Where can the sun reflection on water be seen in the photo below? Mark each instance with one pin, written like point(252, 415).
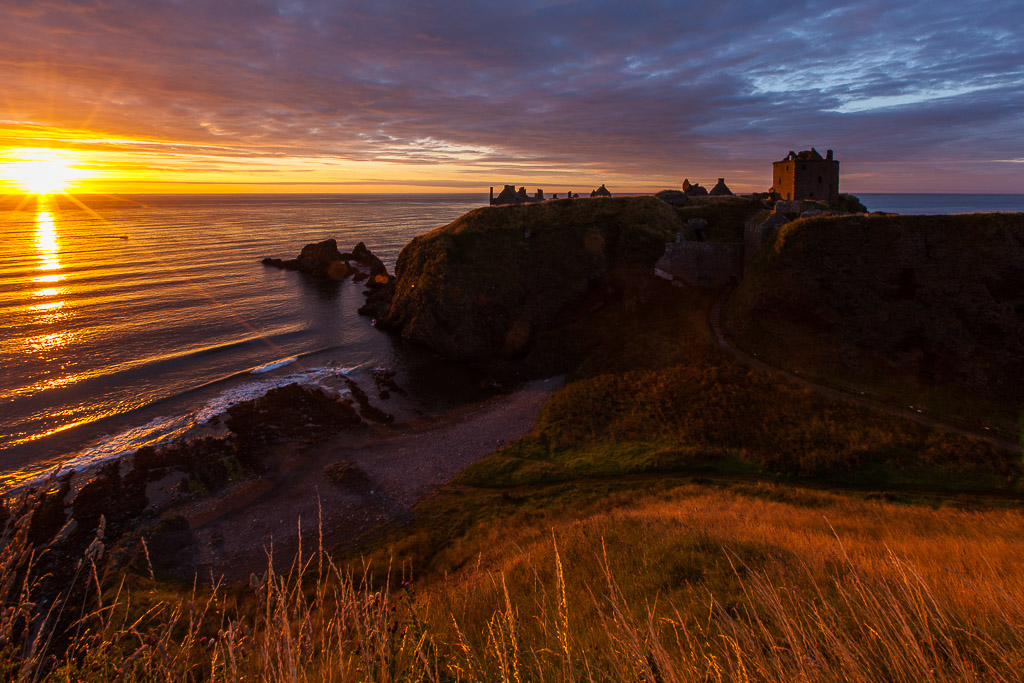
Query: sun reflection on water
point(48, 265)
point(47, 242)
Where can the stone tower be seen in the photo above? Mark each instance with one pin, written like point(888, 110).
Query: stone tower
point(807, 176)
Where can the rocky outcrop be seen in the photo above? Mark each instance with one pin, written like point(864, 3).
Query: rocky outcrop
point(484, 285)
point(323, 261)
point(373, 269)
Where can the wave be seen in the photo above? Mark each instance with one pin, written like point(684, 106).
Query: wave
point(273, 366)
point(164, 429)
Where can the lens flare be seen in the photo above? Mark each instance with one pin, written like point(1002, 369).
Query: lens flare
point(41, 171)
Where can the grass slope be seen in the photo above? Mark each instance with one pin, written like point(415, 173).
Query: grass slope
point(631, 537)
point(929, 309)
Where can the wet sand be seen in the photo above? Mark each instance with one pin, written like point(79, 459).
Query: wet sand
point(233, 532)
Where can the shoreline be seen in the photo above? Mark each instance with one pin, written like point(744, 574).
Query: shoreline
point(229, 533)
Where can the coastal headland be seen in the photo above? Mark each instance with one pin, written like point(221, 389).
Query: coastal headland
point(626, 448)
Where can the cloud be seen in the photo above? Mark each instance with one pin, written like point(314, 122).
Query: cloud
point(645, 91)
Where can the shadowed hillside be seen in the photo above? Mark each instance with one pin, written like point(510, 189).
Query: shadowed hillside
point(915, 306)
point(482, 285)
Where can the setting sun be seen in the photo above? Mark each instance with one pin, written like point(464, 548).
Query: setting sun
point(41, 171)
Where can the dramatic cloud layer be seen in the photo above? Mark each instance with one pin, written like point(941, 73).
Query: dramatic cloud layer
point(321, 93)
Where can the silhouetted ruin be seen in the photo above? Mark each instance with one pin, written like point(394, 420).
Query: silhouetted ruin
point(509, 195)
point(806, 176)
point(720, 189)
point(601, 192)
point(693, 189)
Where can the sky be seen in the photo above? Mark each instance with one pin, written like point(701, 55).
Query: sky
point(396, 96)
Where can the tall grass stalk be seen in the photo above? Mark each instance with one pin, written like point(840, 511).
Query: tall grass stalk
point(858, 618)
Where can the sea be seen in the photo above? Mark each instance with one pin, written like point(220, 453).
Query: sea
point(128, 321)
point(133, 321)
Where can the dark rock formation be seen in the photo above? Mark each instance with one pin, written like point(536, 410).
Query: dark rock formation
point(346, 475)
point(482, 286)
point(323, 261)
point(291, 411)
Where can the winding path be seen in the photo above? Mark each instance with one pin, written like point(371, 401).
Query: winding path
point(715, 321)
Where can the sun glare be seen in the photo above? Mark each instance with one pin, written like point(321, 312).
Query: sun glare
point(41, 171)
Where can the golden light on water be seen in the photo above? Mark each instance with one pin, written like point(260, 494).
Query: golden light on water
point(41, 171)
point(47, 243)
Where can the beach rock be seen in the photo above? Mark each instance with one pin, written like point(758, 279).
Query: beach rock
point(366, 410)
point(291, 411)
point(378, 302)
point(290, 264)
point(49, 514)
point(377, 276)
point(346, 475)
point(323, 261)
point(360, 254)
point(118, 500)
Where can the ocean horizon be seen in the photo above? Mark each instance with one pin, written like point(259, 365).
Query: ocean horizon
point(139, 318)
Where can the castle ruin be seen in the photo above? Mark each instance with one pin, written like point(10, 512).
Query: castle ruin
point(806, 176)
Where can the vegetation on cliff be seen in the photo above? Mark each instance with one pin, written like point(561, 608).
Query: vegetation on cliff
point(665, 521)
point(929, 309)
point(483, 285)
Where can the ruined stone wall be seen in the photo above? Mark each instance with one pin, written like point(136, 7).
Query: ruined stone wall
point(756, 235)
point(807, 179)
point(704, 264)
point(753, 237)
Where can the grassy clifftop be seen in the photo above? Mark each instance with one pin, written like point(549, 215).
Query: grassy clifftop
point(480, 286)
point(907, 305)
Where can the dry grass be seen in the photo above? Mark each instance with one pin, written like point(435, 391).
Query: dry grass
point(689, 584)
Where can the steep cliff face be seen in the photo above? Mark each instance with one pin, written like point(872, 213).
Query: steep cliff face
point(481, 286)
point(927, 300)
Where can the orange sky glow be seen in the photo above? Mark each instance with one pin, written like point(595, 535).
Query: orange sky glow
point(138, 96)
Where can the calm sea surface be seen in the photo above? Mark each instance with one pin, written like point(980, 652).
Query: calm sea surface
point(132, 321)
point(942, 203)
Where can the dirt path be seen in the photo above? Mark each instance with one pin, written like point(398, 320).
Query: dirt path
point(233, 532)
point(715, 320)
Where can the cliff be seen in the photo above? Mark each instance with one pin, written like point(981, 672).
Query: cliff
point(481, 286)
point(892, 301)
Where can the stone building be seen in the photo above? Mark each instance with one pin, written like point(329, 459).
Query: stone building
point(693, 189)
point(807, 176)
point(720, 189)
point(509, 195)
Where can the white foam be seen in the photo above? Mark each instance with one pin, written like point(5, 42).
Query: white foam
point(273, 365)
point(163, 430)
